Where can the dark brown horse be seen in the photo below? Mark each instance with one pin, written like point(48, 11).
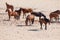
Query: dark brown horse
point(24, 10)
point(38, 14)
point(54, 15)
point(44, 21)
point(30, 19)
point(11, 13)
point(9, 6)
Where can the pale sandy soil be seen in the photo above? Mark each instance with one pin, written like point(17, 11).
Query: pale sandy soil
point(16, 30)
point(10, 30)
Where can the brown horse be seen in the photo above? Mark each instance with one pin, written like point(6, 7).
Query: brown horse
point(30, 19)
point(11, 13)
point(24, 10)
point(9, 6)
point(45, 21)
point(54, 15)
point(57, 11)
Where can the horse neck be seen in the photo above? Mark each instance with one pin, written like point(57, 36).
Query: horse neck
point(9, 11)
point(7, 4)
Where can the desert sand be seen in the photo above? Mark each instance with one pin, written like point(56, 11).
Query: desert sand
point(16, 30)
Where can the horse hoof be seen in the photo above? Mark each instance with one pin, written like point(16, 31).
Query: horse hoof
point(41, 28)
point(45, 29)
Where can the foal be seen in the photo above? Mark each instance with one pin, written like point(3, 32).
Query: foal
point(45, 21)
point(30, 19)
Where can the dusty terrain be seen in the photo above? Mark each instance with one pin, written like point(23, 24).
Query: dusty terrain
point(16, 30)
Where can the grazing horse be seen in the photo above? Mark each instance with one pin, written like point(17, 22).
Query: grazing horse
point(45, 21)
point(38, 14)
point(30, 19)
point(24, 10)
point(11, 13)
point(9, 6)
point(54, 15)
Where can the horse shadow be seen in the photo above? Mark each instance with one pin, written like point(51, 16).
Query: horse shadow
point(6, 20)
point(33, 30)
point(23, 25)
point(55, 21)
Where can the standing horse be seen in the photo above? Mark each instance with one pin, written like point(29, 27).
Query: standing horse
point(24, 10)
point(38, 14)
point(45, 21)
point(30, 19)
point(9, 6)
point(55, 15)
point(11, 13)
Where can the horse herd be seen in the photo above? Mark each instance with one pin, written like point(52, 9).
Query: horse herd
point(30, 18)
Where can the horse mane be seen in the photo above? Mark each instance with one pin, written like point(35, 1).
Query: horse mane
point(42, 14)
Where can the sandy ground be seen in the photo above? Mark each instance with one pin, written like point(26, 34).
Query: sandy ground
point(10, 30)
point(16, 30)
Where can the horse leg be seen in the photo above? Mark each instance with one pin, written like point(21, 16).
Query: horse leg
point(9, 17)
point(19, 15)
point(39, 18)
point(45, 26)
point(50, 19)
point(26, 22)
point(24, 15)
point(41, 25)
point(32, 20)
point(58, 18)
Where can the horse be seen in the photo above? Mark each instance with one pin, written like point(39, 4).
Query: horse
point(11, 13)
point(45, 21)
point(9, 6)
point(25, 10)
point(38, 14)
point(54, 15)
point(30, 19)
point(19, 12)
point(57, 11)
